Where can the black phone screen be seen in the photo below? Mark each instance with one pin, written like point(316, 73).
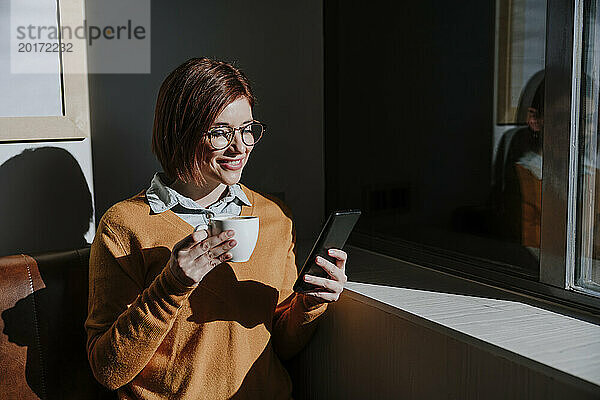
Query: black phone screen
point(334, 234)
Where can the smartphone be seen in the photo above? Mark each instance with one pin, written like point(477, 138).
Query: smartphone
point(334, 234)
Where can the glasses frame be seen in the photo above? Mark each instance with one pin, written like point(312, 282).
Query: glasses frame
point(241, 128)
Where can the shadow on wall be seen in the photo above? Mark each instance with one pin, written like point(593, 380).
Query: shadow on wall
point(46, 203)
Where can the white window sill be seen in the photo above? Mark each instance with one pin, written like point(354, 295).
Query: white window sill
point(496, 320)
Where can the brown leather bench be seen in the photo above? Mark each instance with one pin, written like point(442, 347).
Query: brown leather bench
point(43, 305)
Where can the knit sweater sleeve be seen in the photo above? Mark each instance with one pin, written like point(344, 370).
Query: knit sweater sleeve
point(126, 322)
point(294, 322)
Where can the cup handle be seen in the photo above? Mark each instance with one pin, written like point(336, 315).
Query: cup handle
point(209, 216)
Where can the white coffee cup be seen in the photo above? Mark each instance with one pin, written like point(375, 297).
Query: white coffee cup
point(246, 234)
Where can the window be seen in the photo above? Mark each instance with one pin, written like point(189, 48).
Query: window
point(449, 125)
point(587, 271)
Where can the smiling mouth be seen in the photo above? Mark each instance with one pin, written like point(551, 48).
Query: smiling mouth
point(231, 164)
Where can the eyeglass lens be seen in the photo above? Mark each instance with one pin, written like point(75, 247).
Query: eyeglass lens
point(222, 137)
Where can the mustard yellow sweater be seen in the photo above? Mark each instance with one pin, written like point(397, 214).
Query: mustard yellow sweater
point(151, 337)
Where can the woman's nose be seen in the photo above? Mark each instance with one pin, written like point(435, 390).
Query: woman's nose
point(238, 144)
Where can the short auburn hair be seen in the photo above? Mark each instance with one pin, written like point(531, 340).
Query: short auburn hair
point(189, 101)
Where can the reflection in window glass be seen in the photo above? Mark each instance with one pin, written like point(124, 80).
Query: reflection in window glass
point(588, 271)
point(441, 122)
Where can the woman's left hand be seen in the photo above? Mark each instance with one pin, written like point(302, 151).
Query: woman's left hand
point(328, 289)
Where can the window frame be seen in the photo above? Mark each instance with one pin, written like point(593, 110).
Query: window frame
point(560, 158)
point(580, 203)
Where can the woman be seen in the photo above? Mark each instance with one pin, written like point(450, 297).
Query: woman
point(168, 316)
point(517, 190)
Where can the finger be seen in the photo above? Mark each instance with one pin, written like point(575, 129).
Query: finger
point(220, 250)
point(216, 240)
point(327, 296)
point(341, 257)
point(336, 273)
point(190, 241)
point(339, 254)
point(199, 236)
point(213, 260)
point(324, 283)
point(198, 249)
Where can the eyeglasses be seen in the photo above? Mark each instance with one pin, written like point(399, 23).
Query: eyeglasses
point(221, 137)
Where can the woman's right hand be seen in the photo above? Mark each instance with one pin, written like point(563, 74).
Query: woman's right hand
point(197, 254)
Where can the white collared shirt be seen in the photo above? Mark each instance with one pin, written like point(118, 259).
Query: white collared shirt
point(162, 198)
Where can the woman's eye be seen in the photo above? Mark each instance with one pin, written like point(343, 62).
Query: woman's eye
point(219, 132)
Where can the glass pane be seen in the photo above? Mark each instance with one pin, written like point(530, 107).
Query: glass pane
point(588, 271)
point(441, 126)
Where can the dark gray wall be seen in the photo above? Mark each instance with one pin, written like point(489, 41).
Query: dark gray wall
point(278, 45)
point(415, 103)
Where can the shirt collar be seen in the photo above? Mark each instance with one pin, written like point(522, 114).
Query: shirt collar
point(162, 197)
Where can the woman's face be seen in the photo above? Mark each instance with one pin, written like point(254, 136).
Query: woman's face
point(226, 165)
